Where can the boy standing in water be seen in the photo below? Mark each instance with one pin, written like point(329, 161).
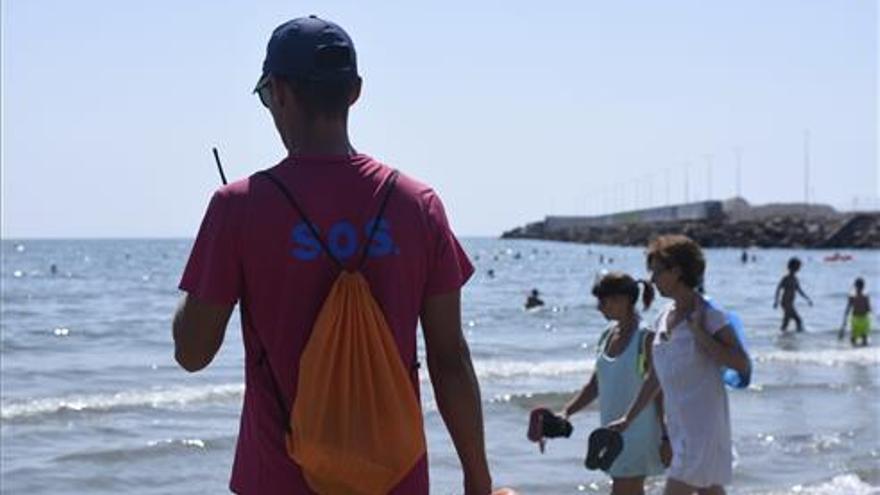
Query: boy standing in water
point(860, 321)
point(789, 286)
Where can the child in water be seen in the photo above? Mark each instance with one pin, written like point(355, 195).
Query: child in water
point(694, 340)
point(790, 287)
point(621, 364)
point(860, 321)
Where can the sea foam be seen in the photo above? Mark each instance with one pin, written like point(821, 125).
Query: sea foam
point(867, 356)
point(154, 398)
point(844, 484)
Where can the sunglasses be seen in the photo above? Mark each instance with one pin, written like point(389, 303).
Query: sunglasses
point(264, 90)
point(658, 269)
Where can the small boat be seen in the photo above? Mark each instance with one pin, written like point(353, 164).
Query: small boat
point(837, 257)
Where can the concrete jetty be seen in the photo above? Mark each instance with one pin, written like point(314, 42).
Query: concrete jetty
point(731, 223)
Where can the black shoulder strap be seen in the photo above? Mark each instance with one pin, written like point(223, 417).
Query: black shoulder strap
point(264, 358)
point(391, 181)
point(286, 192)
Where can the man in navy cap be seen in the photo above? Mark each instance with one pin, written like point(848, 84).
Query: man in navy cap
point(254, 248)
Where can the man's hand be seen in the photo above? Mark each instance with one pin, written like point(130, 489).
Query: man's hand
point(481, 486)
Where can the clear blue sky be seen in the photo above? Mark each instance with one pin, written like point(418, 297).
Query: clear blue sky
point(512, 110)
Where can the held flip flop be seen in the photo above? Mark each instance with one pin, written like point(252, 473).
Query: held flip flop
point(544, 424)
point(604, 447)
point(536, 425)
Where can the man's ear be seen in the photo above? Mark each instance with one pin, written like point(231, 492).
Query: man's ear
point(355, 91)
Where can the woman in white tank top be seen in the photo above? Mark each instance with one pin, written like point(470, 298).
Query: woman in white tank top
point(693, 342)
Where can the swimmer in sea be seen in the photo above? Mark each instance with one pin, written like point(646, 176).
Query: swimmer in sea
point(533, 300)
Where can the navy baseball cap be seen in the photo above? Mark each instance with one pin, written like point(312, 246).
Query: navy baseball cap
point(310, 48)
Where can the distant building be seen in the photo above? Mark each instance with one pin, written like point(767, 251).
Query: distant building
point(704, 210)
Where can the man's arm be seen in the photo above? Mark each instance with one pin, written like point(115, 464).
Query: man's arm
point(198, 330)
point(455, 387)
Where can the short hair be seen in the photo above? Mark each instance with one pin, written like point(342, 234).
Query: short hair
point(618, 283)
point(323, 98)
point(794, 263)
point(860, 283)
point(682, 252)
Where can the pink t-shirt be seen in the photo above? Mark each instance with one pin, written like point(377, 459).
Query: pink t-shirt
point(253, 247)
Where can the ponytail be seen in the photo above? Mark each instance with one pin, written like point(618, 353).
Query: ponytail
point(620, 283)
point(647, 293)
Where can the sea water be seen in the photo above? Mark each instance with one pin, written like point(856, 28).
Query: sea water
point(93, 402)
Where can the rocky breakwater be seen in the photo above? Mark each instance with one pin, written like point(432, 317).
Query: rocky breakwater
point(738, 226)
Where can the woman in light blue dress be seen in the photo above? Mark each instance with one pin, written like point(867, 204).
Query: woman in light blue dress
point(622, 357)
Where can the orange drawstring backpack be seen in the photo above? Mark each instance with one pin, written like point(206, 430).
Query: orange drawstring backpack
point(355, 426)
